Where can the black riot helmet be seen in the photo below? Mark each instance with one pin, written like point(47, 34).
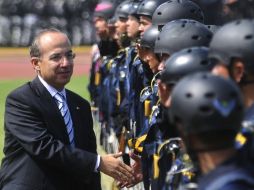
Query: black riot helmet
point(149, 37)
point(213, 28)
point(134, 8)
point(180, 34)
point(177, 9)
point(205, 103)
point(147, 7)
point(184, 62)
point(123, 10)
point(104, 9)
point(234, 40)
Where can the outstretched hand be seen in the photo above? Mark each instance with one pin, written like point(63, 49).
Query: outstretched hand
point(112, 166)
point(137, 169)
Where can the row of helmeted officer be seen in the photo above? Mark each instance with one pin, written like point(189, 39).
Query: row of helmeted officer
point(179, 132)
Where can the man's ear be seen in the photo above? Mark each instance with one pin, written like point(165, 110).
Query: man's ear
point(35, 63)
point(238, 71)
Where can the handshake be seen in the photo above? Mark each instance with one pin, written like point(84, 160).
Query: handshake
point(126, 176)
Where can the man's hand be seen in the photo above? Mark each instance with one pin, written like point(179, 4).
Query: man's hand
point(137, 167)
point(137, 172)
point(115, 168)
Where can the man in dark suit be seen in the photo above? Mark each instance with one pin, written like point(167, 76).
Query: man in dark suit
point(39, 152)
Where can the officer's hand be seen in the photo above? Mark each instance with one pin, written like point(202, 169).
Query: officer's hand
point(115, 168)
point(137, 172)
point(137, 167)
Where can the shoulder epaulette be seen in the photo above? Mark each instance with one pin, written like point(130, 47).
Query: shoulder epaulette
point(121, 51)
point(110, 64)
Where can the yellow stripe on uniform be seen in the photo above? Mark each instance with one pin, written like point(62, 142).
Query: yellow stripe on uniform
point(147, 108)
point(97, 80)
point(138, 143)
point(241, 139)
point(156, 170)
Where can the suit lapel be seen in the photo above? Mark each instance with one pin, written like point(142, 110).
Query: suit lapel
point(53, 117)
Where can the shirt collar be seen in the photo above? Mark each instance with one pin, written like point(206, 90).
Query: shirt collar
point(50, 88)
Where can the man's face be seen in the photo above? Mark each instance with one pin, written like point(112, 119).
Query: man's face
point(132, 26)
point(164, 92)
point(145, 23)
point(163, 59)
point(152, 61)
point(121, 26)
point(236, 70)
point(221, 70)
point(101, 27)
point(55, 65)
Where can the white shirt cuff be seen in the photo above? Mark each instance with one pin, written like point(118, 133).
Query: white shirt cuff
point(96, 169)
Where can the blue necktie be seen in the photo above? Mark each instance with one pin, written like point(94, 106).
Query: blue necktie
point(63, 107)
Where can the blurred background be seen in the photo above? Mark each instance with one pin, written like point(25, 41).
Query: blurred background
point(20, 20)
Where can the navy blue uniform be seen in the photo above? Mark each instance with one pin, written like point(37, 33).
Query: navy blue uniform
point(234, 174)
point(114, 98)
point(140, 77)
point(155, 166)
point(247, 130)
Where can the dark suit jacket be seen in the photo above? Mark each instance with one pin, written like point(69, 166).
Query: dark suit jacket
point(37, 151)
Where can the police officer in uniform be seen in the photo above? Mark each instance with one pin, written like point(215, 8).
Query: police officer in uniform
point(149, 94)
point(208, 128)
point(103, 12)
point(145, 12)
point(234, 57)
point(157, 117)
point(180, 64)
point(106, 49)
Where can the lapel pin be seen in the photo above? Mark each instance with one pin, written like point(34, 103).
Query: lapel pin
point(77, 108)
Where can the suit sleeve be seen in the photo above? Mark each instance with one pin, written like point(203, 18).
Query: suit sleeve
point(27, 127)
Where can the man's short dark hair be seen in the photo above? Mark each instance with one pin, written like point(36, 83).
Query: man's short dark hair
point(35, 46)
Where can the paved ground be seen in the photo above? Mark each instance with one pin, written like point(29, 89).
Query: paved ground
point(14, 63)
